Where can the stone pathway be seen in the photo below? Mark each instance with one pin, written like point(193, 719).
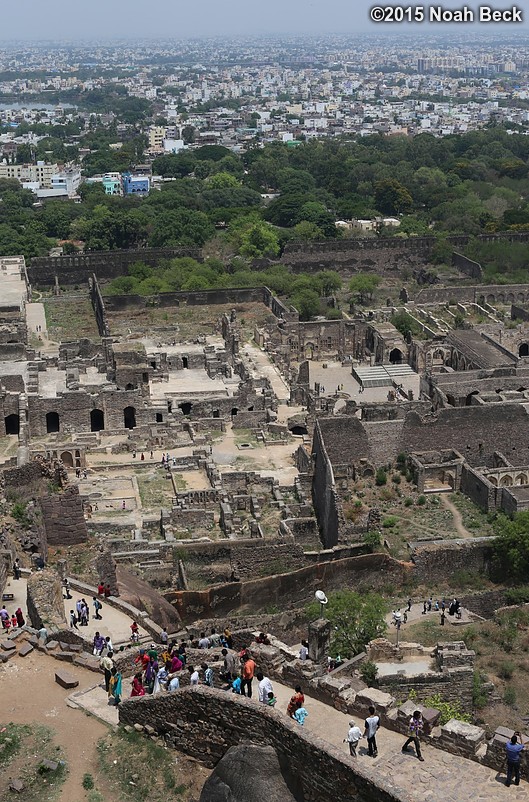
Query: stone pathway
point(458, 519)
point(113, 623)
point(441, 778)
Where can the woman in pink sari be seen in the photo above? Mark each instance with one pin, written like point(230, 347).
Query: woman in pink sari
point(176, 664)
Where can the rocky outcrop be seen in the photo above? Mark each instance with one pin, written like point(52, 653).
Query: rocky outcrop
point(249, 773)
point(45, 600)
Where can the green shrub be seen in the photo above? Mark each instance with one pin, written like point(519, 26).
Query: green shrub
point(88, 782)
point(369, 672)
point(381, 477)
point(396, 478)
point(408, 502)
point(390, 522)
point(509, 697)
point(448, 709)
point(518, 595)
point(372, 539)
point(421, 501)
point(507, 669)
point(479, 697)
point(19, 513)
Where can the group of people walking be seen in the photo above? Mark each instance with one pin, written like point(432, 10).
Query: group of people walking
point(13, 621)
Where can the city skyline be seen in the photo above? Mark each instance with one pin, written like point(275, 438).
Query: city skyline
point(118, 19)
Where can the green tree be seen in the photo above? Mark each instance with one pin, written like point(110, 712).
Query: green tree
point(391, 197)
point(329, 280)
point(511, 545)
point(355, 620)
point(222, 181)
point(258, 239)
point(406, 324)
point(307, 302)
point(363, 286)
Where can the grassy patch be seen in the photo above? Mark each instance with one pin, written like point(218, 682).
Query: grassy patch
point(23, 750)
point(69, 318)
point(123, 759)
point(155, 489)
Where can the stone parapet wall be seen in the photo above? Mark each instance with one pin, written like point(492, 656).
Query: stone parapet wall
point(435, 561)
point(205, 723)
point(452, 686)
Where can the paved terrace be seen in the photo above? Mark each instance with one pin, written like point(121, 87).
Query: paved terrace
point(442, 777)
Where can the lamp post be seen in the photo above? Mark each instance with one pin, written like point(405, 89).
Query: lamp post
point(322, 598)
point(397, 619)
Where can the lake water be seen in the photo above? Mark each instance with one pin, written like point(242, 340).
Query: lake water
point(31, 106)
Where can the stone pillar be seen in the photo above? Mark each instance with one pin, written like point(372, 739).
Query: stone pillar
point(319, 637)
point(106, 569)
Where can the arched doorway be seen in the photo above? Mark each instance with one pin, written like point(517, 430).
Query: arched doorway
point(12, 424)
point(299, 430)
point(129, 417)
point(52, 422)
point(67, 459)
point(185, 362)
point(395, 356)
point(523, 350)
point(186, 407)
point(234, 411)
point(97, 420)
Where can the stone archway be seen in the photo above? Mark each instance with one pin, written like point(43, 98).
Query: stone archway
point(97, 420)
point(523, 350)
point(396, 356)
point(129, 417)
point(67, 459)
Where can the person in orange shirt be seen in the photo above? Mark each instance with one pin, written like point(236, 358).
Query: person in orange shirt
point(248, 670)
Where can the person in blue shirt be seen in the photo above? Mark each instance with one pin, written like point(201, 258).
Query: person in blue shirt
point(514, 749)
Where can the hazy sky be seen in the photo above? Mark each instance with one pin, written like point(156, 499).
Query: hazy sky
point(109, 19)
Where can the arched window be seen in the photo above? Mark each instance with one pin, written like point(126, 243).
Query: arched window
point(129, 417)
point(97, 420)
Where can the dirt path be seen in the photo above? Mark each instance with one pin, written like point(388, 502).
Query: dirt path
point(31, 695)
point(458, 520)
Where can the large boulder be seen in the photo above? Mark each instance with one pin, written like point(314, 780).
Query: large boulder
point(251, 773)
point(45, 600)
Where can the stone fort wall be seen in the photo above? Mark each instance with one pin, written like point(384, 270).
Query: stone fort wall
point(205, 723)
point(286, 591)
point(107, 265)
point(476, 432)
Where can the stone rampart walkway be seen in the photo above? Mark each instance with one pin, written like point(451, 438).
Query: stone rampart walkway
point(441, 778)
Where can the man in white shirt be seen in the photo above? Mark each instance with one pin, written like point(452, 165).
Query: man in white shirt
point(174, 684)
point(264, 688)
point(353, 736)
point(304, 650)
point(193, 679)
point(372, 723)
point(203, 643)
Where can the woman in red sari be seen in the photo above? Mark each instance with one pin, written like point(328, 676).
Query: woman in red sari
point(296, 701)
point(137, 686)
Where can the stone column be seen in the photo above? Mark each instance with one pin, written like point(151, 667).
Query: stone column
point(319, 637)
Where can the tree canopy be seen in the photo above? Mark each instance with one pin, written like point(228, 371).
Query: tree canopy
point(355, 618)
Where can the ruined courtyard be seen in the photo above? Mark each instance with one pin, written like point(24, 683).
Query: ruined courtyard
point(213, 458)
